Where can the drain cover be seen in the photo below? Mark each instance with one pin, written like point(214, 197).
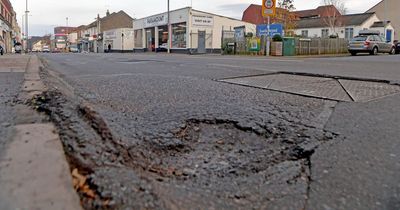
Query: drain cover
point(319, 87)
point(136, 61)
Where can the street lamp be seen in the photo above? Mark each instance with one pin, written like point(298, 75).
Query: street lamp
point(26, 27)
point(169, 30)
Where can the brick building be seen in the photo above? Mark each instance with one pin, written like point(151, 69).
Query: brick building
point(9, 30)
point(253, 14)
point(90, 37)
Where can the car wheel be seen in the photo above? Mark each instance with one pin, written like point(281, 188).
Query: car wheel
point(353, 53)
point(374, 51)
point(392, 51)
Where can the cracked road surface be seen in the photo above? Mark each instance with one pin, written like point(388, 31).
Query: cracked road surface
point(160, 132)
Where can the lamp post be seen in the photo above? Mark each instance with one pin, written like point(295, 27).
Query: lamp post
point(26, 27)
point(169, 30)
point(22, 33)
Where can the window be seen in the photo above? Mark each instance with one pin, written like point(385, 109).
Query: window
point(379, 38)
point(349, 33)
point(163, 35)
point(179, 35)
point(304, 33)
point(324, 33)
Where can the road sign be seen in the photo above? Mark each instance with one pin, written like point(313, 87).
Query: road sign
point(268, 8)
point(262, 30)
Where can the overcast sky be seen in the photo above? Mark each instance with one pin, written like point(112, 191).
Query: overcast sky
point(46, 14)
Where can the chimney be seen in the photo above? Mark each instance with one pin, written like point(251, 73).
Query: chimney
point(107, 13)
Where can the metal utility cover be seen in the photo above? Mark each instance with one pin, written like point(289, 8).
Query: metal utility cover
point(364, 91)
point(319, 87)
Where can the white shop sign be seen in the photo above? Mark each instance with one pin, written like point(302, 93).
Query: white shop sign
point(202, 20)
point(156, 21)
point(110, 35)
point(4, 26)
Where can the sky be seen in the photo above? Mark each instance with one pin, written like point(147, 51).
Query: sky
point(46, 14)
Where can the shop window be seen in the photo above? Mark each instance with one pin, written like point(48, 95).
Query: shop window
point(138, 38)
point(163, 36)
point(179, 35)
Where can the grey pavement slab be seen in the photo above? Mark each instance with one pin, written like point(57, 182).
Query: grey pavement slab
point(34, 171)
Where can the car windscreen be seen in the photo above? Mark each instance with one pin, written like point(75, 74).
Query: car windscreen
point(359, 38)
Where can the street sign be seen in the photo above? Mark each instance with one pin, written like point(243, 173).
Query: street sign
point(268, 8)
point(262, 30)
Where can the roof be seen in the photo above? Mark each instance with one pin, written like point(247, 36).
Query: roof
point(321, 11)
point(380, 24)
point(253, 14)
point(94, 23)
point(370, 9)
point(344, 20)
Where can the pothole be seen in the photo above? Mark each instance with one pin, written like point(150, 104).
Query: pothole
point(324, 87)
point(203, 162)
point(214, 149)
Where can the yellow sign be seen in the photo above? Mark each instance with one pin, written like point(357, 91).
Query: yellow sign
point(268, 8)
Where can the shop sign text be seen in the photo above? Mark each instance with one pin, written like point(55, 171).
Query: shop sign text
point(156, 21)
point(202, 20)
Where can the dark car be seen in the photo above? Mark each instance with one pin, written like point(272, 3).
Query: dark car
point(370, 42)
point(18, 48)
point(397, 46)
point(1, 50)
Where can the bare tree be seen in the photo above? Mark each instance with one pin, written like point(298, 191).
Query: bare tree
point(333, 15)
point(287, 17)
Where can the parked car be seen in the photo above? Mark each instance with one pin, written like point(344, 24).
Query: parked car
point(397, 46)
point(163, 47)
point(46, 49)
point(370, 42)
point(73, 49)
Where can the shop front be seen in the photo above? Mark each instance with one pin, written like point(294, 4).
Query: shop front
point(118, 40)
point(191, 31)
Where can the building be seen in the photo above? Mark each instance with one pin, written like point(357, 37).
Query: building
point(119, 40)
point(192, 31)
point(253, 14)
point(90, 37)
point(347, 26)
point(9, 30)
point(388, 10)
point(60, 38)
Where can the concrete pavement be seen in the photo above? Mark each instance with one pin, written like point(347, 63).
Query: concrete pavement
point(34, 173)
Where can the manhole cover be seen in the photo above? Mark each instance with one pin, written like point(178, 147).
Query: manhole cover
point(136, 61)
point(319, 87)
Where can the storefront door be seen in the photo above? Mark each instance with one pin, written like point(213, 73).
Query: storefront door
point(202, 42)
point(150, 39)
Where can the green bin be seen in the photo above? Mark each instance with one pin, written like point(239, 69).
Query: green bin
point(289, 48)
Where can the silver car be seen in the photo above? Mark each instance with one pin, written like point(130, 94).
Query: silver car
point(370, 42)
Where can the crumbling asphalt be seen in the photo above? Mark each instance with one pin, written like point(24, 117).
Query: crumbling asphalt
point(10, 84)
point(163, 134)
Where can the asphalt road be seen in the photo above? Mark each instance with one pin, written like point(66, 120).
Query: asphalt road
point(159, 132)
